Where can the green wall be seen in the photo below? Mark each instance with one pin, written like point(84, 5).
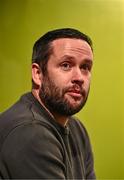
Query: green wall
point(23, 21)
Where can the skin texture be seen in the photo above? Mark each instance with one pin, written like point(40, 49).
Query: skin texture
point(64, 89)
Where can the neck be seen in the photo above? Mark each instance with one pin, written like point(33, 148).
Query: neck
point(62, 120)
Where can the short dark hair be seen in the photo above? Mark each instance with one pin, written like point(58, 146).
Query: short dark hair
point(42, 48)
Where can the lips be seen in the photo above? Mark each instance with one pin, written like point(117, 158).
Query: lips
point(76, 93)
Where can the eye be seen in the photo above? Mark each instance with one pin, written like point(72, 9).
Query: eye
point(66, 66)
point(86, 67)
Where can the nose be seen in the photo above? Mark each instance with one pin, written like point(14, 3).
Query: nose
point(77, 77)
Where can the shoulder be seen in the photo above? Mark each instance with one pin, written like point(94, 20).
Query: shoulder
point(29, 138)
point(16, 111)
point(32, 146)
point(20, 119)
point(18, 114)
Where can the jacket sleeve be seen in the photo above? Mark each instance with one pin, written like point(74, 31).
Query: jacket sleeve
point(32, 152)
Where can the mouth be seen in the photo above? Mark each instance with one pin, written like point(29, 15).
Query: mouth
point(76, 94)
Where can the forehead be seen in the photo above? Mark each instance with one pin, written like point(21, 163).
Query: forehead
point(69, 45)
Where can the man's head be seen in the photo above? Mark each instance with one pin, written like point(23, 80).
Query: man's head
point(61, 70)
point(43, 47)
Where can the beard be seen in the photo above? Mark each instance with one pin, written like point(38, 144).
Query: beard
point(55, 101)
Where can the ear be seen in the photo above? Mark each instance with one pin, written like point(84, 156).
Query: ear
point(36, 74)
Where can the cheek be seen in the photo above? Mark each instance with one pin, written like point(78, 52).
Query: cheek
point(60, 84)
point(87, 82)
point(60, 80)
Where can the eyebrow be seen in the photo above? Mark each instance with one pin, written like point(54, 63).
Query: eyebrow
point(67, 56)
point(87, 60)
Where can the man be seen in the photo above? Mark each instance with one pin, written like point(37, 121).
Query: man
point(39, 138)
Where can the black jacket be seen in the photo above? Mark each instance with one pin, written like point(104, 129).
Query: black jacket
point(34, 146)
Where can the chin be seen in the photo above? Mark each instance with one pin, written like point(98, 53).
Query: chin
point(75, 102)
point(76, 105)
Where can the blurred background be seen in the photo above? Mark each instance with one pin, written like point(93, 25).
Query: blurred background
point(22, 22)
